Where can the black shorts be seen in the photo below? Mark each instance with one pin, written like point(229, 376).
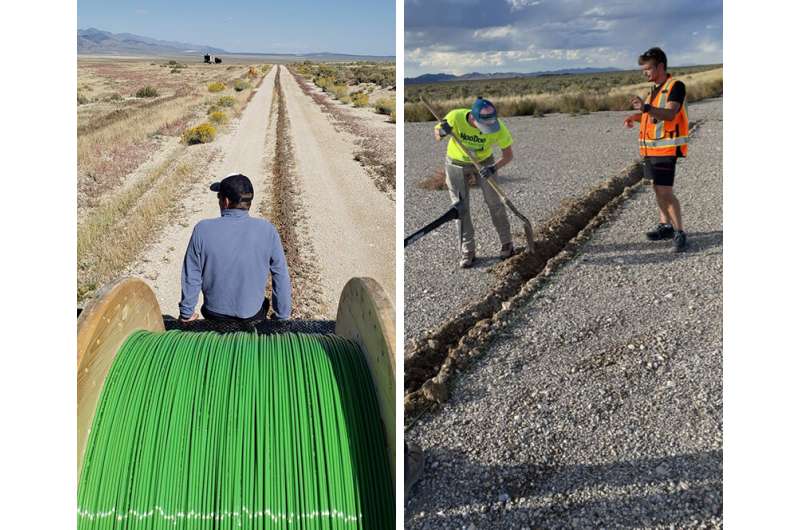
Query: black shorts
point(660, 169)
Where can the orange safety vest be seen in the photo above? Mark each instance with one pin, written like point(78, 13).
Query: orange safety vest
point(664, 138)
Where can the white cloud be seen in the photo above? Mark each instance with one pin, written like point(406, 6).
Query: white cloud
point(595, 12)
point(708, 46)
point(142, 12)
point(461, 62)
point(516, 5)
point(604, 25)
point(497, 32)
point(705, 51)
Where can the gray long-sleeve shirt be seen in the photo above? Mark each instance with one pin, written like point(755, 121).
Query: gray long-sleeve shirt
point(229, 258)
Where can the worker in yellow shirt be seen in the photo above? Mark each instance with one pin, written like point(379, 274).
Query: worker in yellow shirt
point(479, 130)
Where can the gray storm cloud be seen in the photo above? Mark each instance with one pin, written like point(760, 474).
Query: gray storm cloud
point(527, 35)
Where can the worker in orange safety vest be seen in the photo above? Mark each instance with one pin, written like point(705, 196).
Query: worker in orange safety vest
point(663, 138)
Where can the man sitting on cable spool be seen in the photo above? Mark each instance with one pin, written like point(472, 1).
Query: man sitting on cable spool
point(229, 259)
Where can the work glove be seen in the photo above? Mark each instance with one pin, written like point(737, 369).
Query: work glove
point(444, 128)
point(488, 171)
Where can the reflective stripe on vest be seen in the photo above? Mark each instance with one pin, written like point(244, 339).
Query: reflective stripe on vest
point(680, 140)
point(662, 104)
point(664, 138)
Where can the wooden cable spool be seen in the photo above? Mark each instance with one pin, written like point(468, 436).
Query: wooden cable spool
point(365, 315)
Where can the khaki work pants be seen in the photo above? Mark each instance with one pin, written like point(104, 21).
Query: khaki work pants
point(457, 174)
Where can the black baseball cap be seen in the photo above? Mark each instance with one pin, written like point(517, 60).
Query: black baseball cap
point(236, 187)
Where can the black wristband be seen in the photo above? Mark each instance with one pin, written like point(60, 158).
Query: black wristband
point(646, 107)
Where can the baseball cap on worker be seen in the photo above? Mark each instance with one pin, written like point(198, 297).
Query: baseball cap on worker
point(485, 115)
point(236, 187)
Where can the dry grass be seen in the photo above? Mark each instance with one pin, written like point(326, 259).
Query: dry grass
point(352, 82)
point(438, 181)
point(116, 135)
point(385, 106)
point(135, 212)
point(699, 85)
point(111, 151)
point(353, 73)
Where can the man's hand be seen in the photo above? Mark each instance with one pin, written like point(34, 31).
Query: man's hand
point(637, 103)
point(629, 121)
point(444, 128)
point(194, 316)
point(488, 171)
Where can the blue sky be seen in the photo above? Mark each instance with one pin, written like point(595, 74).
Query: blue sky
point(294, 26)
point(461, 36)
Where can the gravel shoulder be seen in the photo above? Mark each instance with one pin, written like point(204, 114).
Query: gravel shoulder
point(555, 157)
point(601, 404)
point(242, 149)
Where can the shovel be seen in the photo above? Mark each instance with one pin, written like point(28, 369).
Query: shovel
point(503, 197)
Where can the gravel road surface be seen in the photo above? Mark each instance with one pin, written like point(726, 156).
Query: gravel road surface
point(555, 157)
point(601, 405)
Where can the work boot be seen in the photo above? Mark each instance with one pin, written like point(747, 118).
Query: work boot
point(679, 241)
point(414, 464)
point(507, 250)
point(466, 260)
point(661, 231)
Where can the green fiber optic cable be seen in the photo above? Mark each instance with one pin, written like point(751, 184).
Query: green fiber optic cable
point(236, 431)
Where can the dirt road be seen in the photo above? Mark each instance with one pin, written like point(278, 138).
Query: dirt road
point(241, 150)
point(347, 224)
point(350, 222)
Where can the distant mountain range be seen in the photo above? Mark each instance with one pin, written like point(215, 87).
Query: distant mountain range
point(98, 42)
point(94, 41)
point(440, 78)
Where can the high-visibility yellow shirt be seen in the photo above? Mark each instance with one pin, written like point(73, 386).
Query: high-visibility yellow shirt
point(472, 138)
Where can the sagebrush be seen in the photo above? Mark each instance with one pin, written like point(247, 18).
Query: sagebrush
point(360, 99)
point(384, 106)
point(218, 117)
point(147, 92)
point(202, 134)
point(216, 86)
